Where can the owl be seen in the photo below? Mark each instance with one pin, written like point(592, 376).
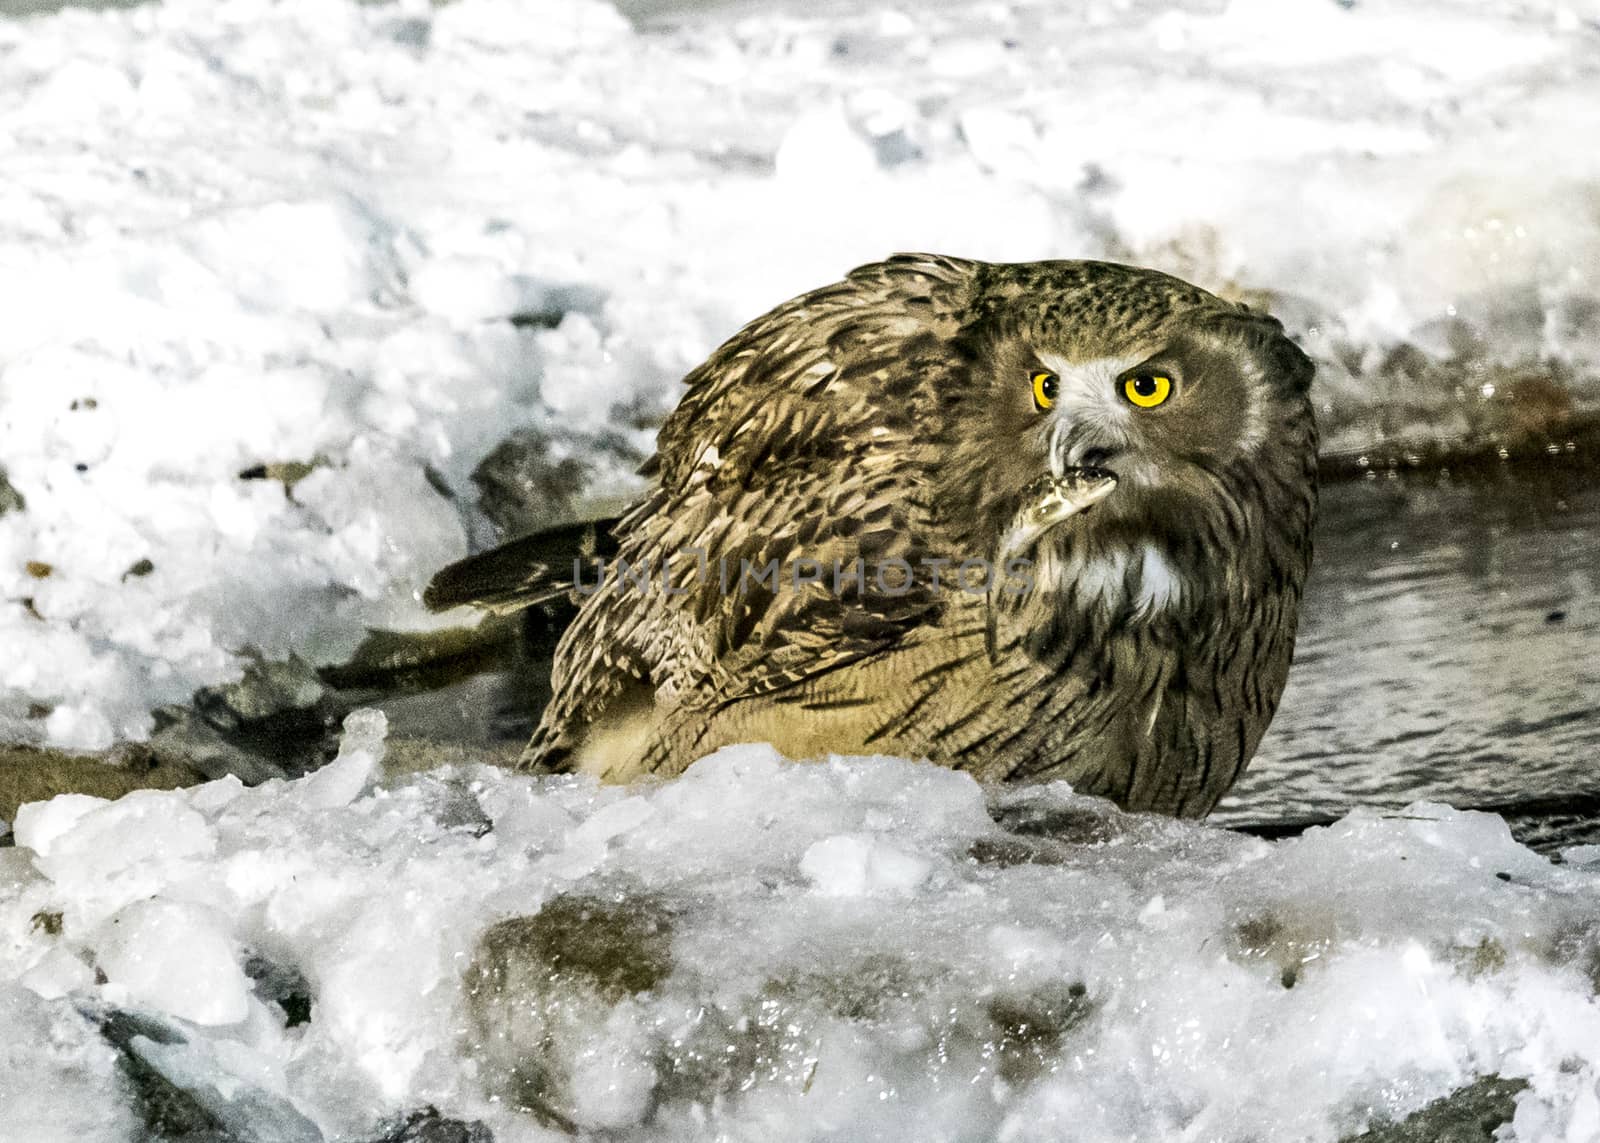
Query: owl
point(1046, 520)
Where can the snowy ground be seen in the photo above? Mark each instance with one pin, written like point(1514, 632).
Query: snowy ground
point(842, 951)
point(376, 239)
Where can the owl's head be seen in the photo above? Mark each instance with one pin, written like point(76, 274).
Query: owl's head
point(1198, 406)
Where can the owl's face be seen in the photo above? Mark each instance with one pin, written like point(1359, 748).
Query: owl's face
point(1203, 417)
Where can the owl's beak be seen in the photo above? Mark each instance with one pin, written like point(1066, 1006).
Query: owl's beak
point(1079, 444)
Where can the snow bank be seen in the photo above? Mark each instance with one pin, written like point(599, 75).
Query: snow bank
point(865, 948)
point(348, 248)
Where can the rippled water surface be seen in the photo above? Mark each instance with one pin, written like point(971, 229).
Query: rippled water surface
point(1449, 650)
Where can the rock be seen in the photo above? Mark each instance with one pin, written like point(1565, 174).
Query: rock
point(10, 499)
point(282, 986)
point(184, 1090)
point(33, 775)
point(521, 489)
point(428, 1126)
point(541, 994)
point(266, 690)
point(188, 740)
point(1471, 1114)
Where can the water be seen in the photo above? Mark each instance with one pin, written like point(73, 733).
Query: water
point(1449, 650)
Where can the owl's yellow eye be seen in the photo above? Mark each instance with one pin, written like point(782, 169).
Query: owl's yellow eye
point(1147, 390)
point(1045, 385)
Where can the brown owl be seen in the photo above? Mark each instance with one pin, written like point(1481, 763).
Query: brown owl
point(1043, 520)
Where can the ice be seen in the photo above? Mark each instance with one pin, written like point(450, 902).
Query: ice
point(856, 948)
point(848, 866)
point(173, 957)
point(465, 290)
point(821, 148)
point(111, 853)
point(219, 1083)
point(374, 240)
point(359, 761)
point(57, 1077)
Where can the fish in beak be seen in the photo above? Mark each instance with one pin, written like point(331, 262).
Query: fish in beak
point(1051, 500)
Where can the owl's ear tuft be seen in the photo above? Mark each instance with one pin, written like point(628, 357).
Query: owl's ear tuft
point(1290, 367)
point(1284, 365)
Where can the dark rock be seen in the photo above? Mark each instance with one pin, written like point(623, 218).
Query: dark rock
point(1471, 1114)
point(769, 1039)
point(1009, 850)
point(428, 1126)
point(183, 737)
point(279, 712)
point(1283, 946)
point(284, 986)
point(461, 810)
point(521, 489)
point(1039, 812)
point(411, 33)
point(1031, 1027)
point(541, 988)
point(542, 305)
point(185, 1093)
point(267, 689)
point(10, 499)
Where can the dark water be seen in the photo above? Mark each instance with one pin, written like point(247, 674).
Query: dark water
point(1449, 650)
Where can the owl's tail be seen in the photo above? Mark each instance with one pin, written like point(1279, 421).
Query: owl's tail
point(525, 571)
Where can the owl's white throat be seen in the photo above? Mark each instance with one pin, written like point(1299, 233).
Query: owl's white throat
point(1115, 578)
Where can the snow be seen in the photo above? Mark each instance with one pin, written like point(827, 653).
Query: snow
point(239, 234)
point(858, 948)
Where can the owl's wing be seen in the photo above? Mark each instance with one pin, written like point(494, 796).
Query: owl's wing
point(796, 452)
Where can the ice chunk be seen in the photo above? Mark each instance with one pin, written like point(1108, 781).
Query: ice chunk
point(464, 290)
point(56, 974)
point(1581, 855)
point(40, 824)
point(105, 854)
point(1000, 140)
point(183, 1077)
point(861, 866)
point(58, 1078)
point(316, 255)
point(821, 147)
point(80, 726)
point(175, 957)
point(359, 763)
